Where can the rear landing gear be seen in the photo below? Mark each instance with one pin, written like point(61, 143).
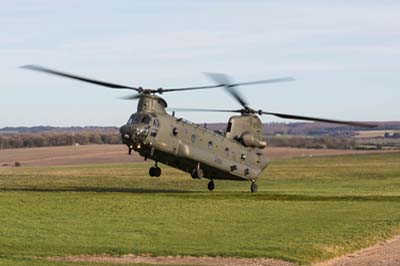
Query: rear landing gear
point(155, 171)
point(197, 173)
point(253, 187)
point(211, 185)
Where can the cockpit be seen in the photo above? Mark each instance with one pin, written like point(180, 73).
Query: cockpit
point(139, 128)
point(143, 124)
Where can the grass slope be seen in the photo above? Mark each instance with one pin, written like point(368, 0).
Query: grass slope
point(306, 210)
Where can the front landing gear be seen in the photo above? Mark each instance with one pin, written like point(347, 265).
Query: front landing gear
point(253, 187)
point(155, 171)
point(211, 185)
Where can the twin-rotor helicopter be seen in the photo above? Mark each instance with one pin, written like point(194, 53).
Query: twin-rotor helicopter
point(236, 154)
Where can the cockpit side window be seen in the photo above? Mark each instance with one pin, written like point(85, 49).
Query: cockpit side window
point(131, 119)
point(155, 126)
point(156, 123)
point(138, 118)
point(146, 120)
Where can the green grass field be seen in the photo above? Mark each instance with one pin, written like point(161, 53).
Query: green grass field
point(306, 210)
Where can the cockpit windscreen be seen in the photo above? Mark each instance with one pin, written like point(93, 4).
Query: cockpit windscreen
point(139, 119)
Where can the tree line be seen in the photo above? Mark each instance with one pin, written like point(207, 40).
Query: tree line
point(9, 141)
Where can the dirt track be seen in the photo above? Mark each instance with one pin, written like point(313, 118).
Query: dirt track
point(89, 154)
point(186, 260)
point(386, 253)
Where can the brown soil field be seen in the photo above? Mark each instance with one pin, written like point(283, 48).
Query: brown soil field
point(282, 153)
point(96, 154)
point(68, 155)
point(374, 133)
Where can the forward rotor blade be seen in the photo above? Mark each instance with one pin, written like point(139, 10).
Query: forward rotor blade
point(224, 81)
point(315, 119)
point(204, 110)
point(219, 78)
point(131, 97)
point(192, 88)
point(76, 77)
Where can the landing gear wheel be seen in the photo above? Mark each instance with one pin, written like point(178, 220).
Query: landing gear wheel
point(253, 187)
point(211, 185)
point(197, 173)
point(157, 171)
point(152, 171)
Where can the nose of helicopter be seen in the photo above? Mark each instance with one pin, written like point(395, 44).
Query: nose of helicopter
point(125, 131)
point(133, 134)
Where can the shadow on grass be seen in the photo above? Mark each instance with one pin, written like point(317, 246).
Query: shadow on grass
point(266, 196)
point(217, 195)
point(94, 189)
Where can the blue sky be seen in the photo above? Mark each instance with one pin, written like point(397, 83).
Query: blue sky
point(345, 56)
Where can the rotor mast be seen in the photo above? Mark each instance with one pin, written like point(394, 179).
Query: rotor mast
point(152, 104)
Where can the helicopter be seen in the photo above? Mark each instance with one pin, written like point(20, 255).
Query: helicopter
point(236, 154)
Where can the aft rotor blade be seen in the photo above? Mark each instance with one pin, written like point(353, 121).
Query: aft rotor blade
point(204, 110)
point(265, 81)
point(235, 93)
point(315, 119)
point(223, 80)
point(76, 77)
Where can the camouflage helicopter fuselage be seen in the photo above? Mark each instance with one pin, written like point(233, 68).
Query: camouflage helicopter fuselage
point(235, 155)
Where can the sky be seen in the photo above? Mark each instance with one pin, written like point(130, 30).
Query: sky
point(344, 55)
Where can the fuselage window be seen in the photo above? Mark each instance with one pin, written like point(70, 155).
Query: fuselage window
point(193, 138)
point(210, 145)
point(227, 152)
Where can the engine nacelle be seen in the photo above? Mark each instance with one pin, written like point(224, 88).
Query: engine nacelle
point(250, 140)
